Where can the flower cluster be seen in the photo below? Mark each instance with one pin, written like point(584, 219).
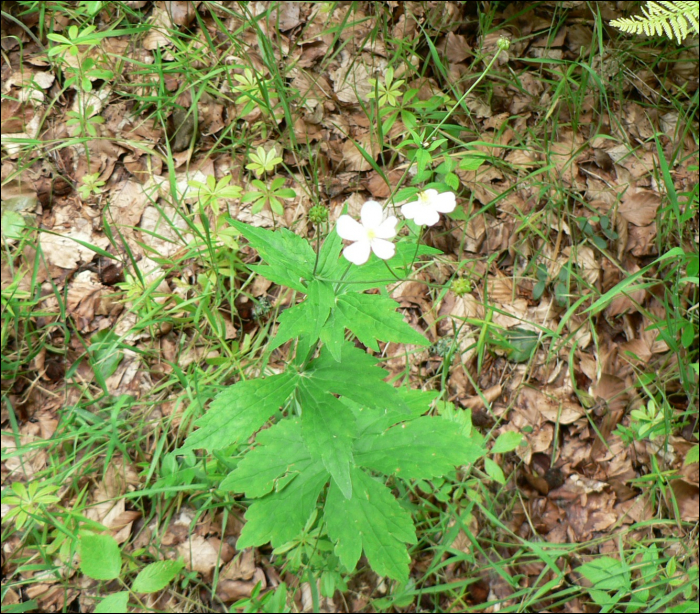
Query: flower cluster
point(373, 232)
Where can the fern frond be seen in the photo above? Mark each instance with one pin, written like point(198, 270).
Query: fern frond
point(674, 19)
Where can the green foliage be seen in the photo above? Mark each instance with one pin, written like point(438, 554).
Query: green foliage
point(90, 185)
point(343, 425)
point(156, 576)
point(673, 19)
point(28, 501)
point(116, 603)
point(386, 92)
point(263, 161)
point(100, 557)
point(271, 195)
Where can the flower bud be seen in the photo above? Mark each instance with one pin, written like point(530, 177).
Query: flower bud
point(461, 286)
point(318, 214)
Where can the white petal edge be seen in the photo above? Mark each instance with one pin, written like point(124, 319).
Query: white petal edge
point(350, 229)
point(410, 210)
point(371, 214)
point(387, 229)
point(383, 249)
point(358, 252)
point(445, 202)
point(427, 217)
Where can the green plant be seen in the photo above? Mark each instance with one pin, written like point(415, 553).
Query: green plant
point(263, 161)
point(29, 501)
point(271, 195)
point(321, 456)
point(101, 559)
point(386, 92)
point(90, 185)
point(673, 19)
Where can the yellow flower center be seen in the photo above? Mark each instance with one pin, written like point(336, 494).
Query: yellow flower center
point(423, 196)
point(371, 234)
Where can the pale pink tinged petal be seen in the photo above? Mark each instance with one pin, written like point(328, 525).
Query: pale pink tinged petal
point(357, 253)
point(427, 217)
point(383, 249)
point(387, 229)
point(410, 210)
point(445, 203)
point(350, 229)
point(372, 214)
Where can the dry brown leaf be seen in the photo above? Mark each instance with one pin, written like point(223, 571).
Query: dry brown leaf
point(639, 207)
point(200, 554)
point(456, 48)
point(553, 405)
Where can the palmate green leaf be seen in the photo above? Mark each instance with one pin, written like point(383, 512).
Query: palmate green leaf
point(373, 317)
point(240, 410)
point(328, 428)
point(280, 516)
point(421, 449)
point(371, 520)
point(290, 256)
point(344, 377)
point(307, 318)
point(281, 452)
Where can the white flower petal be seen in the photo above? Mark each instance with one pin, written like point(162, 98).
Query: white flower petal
point(383, 249)
point(350, 229)
point(444, 203)
point(427, 217)
point(387, 229)
point(431, 194)
point(410, 210)
point(372, 214)
point(358, 252)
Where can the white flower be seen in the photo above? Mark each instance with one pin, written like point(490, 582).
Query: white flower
point(371, 234)
point(425, 211)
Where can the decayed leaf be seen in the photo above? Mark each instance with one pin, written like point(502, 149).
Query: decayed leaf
point(553, 405)
point(640, 207)
point(200, 554)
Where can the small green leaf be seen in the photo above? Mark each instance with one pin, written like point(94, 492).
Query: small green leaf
point(471, 163)
point(100, 557)
point(13, 224)
point(692, 455)
point(494, 471)
point(506, 442)
point(115, 603)
point(156, 576)
point(606, 574)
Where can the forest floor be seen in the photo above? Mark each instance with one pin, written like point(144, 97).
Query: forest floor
point(564, 305)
